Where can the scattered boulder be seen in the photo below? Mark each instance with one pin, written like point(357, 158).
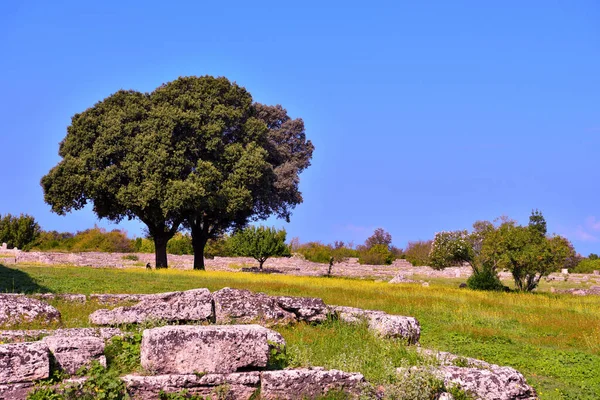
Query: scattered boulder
point(16, 308)
point(211, 349)
point(500, 383)
point(32, 335)
point(24, 362)
point(297, 384)
point(72, 353)
point(245, 307)
point(238, 385)
point(191, 305)
point(307, 309)
point(391, 326)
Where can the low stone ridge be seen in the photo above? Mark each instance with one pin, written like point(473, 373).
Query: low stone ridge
point(307, 309)
point(76, 298)
point(32, 335)
point(297, 384)
point(593, 290)
point(391, 326)
point(212, 349)
point(191, 305)
point(24, 362)
point(15, 308)
point(237, 385)
point(72, 353)
point(243, 307)
point(110, 299)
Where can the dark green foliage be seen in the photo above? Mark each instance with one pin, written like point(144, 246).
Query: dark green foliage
point(587, 266)
point(95, 239)
point(537, 223)
point(322, 253)
point(195, 150)
point(181, 395)
point(418, 252)
point(180, 244)
point(20, 232)
point(485, 279)
point(259, 243)
point(593, 256)
point(218, 247)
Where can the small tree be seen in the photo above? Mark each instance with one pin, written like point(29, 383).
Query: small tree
point(379, 237)
point(259, 243)
point(20, 232)
point(418, 252)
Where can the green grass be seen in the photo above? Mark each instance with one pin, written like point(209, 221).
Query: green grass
point(553, 339)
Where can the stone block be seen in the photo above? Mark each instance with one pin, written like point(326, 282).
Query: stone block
point(300, 384)
point(24, 362)
point(210, 349)
point(16, 308)
point(245, 307)
point(72, 353)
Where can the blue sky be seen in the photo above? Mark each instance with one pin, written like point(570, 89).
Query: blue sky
point(426, 116)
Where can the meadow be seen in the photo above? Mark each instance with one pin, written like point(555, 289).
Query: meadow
point(553, 339)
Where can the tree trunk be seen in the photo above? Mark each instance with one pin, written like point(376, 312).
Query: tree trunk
point(160, 247)
point(260, 263)
point(199, 239)
point(199, 243)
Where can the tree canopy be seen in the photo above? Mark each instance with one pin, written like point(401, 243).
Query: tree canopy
point(260, 243)
point(196, 151)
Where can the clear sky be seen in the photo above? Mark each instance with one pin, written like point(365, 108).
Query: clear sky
point(426, 115)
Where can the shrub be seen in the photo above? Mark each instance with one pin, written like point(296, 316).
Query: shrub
point(218, 247)
point(316, 252)
point(379, 254)
point(485, 279)
point(418, 252)
point(180, 244)
point(95, 239)
point(587, 266)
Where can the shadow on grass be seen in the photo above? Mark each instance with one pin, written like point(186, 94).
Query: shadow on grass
point(16, 281)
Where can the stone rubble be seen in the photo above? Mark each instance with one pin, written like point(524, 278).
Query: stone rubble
point(245, 307)
point(16, 308)
point(32, 335)
point(24, 362)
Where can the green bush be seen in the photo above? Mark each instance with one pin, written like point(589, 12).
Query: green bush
point(95, 239)
point(587, 266)
point(260, 243)
point(418, 252)
point(316, 252)
point(485, 279)
point(219, 247)
point(180, 244)
point(379, 254)
point(20, 232)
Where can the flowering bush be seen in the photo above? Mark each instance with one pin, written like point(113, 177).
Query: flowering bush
point(450, 249)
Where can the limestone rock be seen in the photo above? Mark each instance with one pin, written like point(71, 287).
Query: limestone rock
point(307, 309)
point(296, 384)
point(23, 362)
point(15, 391)
point(237, 385)
point(500, 383)
point(394, 326)
point(36, 334)
point(191, 305)
point(15, 308)
point(72, 353)
point(211, 349)
point(246, 307)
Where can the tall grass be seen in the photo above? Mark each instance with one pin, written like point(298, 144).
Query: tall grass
point(553, 339)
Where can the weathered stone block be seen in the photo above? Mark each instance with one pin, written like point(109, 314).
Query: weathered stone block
point(296, 384)
point(191, 305)
point(246, 307)
point(308, 309)
point(72, 353)
point(23, 362)
point(15, 391)
point(36, 334)
point(15, 308)
point(394, 326)
point(217, 348)
point(230, 386)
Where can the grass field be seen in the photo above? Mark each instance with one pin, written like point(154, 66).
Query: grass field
point(554, 340)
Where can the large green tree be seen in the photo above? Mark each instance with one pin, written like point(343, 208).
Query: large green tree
point(196, 151)
point(20, 232)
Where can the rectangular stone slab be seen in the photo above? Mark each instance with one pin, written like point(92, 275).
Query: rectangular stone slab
point(24, 362)
point(210, 349)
